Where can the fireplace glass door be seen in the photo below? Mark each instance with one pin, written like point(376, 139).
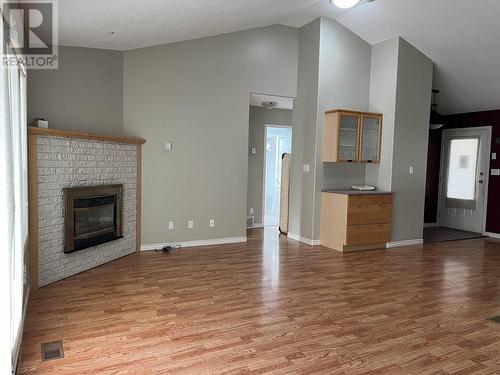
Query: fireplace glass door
point(93, 215)
point(94, 220)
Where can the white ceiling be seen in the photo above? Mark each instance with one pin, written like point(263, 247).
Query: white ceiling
point(86, 23)
point(459, 37)
point(283, 103)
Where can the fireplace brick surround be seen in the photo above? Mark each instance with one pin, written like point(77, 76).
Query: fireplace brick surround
point(67, 159)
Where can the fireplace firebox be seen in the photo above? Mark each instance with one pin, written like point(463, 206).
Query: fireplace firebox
point(93, 215)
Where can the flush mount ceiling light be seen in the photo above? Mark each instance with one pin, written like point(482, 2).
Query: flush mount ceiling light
point(345, 4)
point(269, 105)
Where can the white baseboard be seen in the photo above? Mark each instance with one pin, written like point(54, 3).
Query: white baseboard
point(431, 225)
point(17, 349)
point(393, 244)
point(492, 235)
point(305, 240)
point(215, 241)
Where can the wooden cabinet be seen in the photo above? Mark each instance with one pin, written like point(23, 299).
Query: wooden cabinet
point(352, 222)
point(352, 137)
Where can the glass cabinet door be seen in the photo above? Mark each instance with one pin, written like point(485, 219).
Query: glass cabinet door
point(370, 139)
point(348, 138)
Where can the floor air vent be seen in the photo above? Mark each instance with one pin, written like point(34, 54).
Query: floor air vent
point(250, 221)
point(52, 350)
point(495, 319)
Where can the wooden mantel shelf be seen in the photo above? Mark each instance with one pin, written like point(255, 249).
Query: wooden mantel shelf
point(83, 135)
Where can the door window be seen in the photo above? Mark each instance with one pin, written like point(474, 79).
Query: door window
point(462, 168)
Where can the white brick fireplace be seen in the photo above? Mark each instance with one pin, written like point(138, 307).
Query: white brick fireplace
point(69, 159)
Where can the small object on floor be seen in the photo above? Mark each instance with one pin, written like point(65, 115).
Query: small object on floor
point(167, 249)
point(495, 319)
point(52, 350)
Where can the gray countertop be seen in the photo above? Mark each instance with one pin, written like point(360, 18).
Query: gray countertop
point(356, 192)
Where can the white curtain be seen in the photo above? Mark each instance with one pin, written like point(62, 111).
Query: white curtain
point(13, 207)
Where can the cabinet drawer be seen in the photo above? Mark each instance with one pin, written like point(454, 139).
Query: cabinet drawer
point(369, 214)
point(368, 234)
point(369, 199)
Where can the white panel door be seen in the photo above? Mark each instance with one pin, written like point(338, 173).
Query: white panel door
point(463, 178)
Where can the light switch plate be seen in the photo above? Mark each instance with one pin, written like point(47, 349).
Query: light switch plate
point(212, 223)
point(495, 172)
point(305, 168)
point(251, 210)
point(253, 150)
point(494, 156)
point(411, 170)
point(168, 146)
point(190, 224)
point(170, 225)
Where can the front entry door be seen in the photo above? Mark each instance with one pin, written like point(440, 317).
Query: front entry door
point(464, 177)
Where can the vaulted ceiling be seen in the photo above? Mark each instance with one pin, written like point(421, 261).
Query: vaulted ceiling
point(460, 36)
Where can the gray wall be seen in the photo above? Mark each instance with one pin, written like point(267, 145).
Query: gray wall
point(413, 100)
point(344, 82)
point(259, 118)
point(383, 78)
point(195, 94)
point(84, 94)
point(334, 72)
point(401, 84)
point(305, 112)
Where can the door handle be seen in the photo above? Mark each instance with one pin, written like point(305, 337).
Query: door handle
point(481, 181)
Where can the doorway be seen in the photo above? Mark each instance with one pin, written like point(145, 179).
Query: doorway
point(269, 135)
point(463, 181)
point(278, 141)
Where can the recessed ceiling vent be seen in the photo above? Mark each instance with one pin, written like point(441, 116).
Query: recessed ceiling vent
point(269, 105)
point(436, 118)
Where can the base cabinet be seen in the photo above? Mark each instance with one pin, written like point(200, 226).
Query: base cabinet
point(356, 222)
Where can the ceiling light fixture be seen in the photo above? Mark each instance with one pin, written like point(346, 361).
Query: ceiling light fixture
point(269, 105)
point(345, 4)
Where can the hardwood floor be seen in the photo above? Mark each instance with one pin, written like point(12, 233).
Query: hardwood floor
point(275, 306)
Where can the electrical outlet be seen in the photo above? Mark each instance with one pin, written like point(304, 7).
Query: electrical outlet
point(190, 224)
point(170, 225)
point(251, 210)
point(306, 168)
point(212, 223)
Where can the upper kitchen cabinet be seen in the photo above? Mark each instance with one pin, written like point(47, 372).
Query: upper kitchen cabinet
point(371, 136)
point(352, 137)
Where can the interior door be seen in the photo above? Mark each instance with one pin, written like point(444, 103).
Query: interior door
point(278, 141)
point(463, 178)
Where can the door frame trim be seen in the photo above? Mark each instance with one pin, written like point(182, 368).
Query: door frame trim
point(264, 159)
point(488, 130)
